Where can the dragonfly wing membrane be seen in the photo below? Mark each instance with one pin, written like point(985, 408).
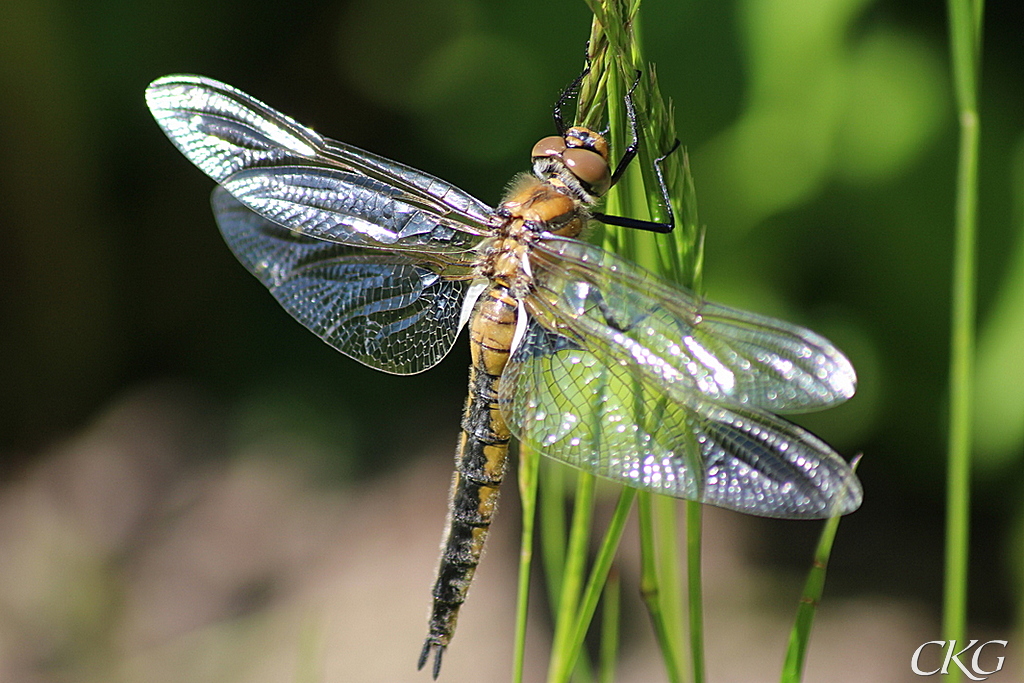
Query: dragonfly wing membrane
point(387, 310)
point(562, 400)
point(571, 403)
point(222, 130)
point(282, 169)
point(784, 367)
point(345, 207)
point(680, 340)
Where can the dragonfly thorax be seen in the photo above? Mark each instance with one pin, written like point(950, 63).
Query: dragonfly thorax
point(533, 206)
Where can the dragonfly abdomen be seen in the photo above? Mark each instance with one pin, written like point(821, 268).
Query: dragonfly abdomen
point(480, 464)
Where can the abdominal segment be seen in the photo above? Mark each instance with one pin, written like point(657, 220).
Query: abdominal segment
point(480, 464)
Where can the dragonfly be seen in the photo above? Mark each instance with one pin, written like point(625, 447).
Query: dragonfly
point(578, 353)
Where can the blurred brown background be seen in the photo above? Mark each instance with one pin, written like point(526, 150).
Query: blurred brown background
point(194, 488)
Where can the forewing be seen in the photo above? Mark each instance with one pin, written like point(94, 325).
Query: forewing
point(386, 310)
point(289, 174)
point(679, 341)
point(577, 406)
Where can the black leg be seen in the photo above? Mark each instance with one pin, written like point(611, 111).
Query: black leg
point(630, 152)
point(569, 93)
point(627, 156)
point(650, 226)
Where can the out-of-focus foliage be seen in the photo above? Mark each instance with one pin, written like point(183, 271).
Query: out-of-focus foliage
point(822, 105)
point(822, 147)
point(999, 401)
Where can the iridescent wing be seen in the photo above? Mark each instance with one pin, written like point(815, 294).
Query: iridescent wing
point(692, 346)
point(388, 310)
point(319, 187)
point(591, 412)
point(623, 375)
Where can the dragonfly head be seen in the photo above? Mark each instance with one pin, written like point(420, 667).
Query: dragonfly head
point(579, 159)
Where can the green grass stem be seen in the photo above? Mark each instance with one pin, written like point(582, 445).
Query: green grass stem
point(615, 58)
point(562, 656)
point(610, 613)
point(666, 516)
point(553, 532)
point(965, 21)
point(528, 470)
point(695, 588)
point(617, 48)
point(655, 587)
point(814, 587)
point(591, 594)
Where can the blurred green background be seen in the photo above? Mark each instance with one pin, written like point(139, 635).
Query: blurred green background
point(822, 140)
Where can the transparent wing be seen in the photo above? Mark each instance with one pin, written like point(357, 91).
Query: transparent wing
point(386, 310)
point(584, 409)
point(289, 174)
point(622, 313)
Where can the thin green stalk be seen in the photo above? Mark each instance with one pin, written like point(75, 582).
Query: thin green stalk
point(654, 586)
point(615, 58)
point(577, 631)
point(961, 374)
point(814, 586)
point(799, 636)
point(554, 542)
point(552, 532)
point(528, 466)
point(695, 588)
point(617, 48)
point(610, 601)
point(965, 18)
point(670, 571)
point(572, 579)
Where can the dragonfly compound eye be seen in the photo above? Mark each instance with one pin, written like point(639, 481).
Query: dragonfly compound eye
point(551, 146)
point(590, 167)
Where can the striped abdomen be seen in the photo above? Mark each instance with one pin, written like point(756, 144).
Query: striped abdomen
point(479, 467)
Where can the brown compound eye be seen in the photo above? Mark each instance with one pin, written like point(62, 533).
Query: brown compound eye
point(590, 167)
point(551, 146)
